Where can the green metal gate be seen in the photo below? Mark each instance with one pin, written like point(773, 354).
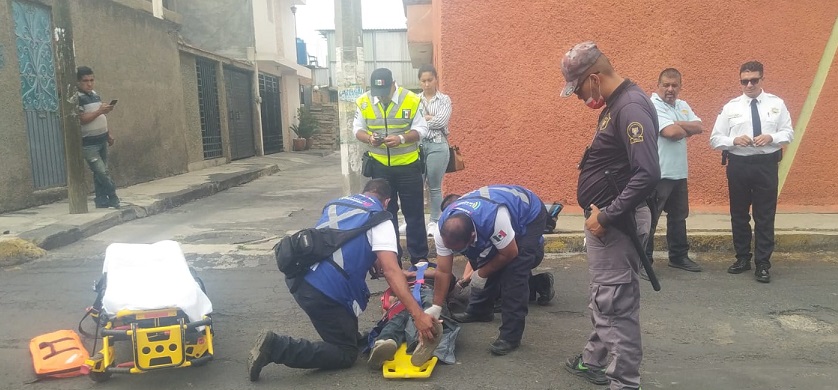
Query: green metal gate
point(39, 92)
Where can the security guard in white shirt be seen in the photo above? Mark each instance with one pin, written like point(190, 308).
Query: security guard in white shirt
point(751, 130)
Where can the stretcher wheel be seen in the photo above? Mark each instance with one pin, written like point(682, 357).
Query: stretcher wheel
point(197, 279)
point(100, 376)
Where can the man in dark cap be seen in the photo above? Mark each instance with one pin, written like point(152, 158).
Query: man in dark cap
point(625, 143)
point(389, 121)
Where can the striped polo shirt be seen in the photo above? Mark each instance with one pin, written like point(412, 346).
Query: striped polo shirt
point(89, 102)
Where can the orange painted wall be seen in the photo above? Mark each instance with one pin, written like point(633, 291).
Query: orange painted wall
point(500, 63)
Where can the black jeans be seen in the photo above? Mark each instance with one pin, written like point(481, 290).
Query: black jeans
point(512, 284)
point(335, 325)
point(408, 188)
point(670, 196)
point(752, 183)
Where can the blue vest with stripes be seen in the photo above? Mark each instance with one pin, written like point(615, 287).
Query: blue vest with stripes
point(482, 207)
point(348, 285)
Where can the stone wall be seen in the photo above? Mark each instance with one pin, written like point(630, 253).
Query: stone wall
point(326, 137)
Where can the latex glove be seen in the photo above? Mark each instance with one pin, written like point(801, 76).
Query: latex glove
point(435, 311)
point(477, 281)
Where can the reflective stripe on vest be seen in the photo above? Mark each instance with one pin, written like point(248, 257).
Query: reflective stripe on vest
point(343, 278)
point(395, 121)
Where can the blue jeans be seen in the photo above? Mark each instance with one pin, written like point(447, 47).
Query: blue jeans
point(436, 160)
point(97, 159)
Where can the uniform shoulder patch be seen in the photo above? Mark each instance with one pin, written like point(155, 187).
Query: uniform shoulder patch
point(364, 105)
point(635, 132)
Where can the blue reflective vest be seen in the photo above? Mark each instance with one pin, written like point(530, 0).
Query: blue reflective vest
point(482, 207)
point(344, 277)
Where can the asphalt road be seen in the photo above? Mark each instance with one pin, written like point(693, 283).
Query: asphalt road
point(709, 330)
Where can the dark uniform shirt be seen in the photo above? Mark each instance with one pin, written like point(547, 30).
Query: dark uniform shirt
point(625, 144)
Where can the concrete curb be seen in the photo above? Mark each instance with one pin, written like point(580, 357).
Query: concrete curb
point(700, 241)
point(58, 235)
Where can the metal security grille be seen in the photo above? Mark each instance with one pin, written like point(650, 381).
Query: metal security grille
point(240, 113)
point(208, 104)
point(38, 90)
point(271, 119)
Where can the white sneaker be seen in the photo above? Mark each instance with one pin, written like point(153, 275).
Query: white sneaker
point(433, 229)
point(403, 228)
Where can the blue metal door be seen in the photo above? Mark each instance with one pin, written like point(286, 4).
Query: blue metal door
point(38, 89)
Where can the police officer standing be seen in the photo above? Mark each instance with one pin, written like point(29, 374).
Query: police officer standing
point(389, 121)
point(625, 143)
point(750, 130)
point(499, 229)
point(677, 123)
point(334, 293)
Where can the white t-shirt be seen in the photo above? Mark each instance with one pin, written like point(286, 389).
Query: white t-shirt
point(382, 237)
point(502, 235)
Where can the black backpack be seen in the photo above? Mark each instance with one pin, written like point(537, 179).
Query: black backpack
point(295, 254)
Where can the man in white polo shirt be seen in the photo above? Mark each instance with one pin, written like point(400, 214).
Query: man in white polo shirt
point(677, 123)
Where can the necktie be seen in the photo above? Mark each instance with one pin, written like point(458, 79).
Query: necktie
point(757, 125)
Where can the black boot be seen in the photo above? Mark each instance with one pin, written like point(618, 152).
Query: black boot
point(739, 266)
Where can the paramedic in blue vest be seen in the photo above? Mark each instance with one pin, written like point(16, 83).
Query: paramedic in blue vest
point(334, 293)
point(390, 123)
point(499, 229)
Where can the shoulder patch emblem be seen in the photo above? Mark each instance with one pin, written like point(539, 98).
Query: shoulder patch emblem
point(364, 105)
point(635, 132)
point(604, 123)
point(406, 113)
point(775, 110)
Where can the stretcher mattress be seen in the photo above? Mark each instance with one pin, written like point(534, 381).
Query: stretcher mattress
point(151, 276)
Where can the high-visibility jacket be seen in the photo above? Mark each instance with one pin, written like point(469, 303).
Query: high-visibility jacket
point(482, 207)
point(344, 278)
point(392, 120)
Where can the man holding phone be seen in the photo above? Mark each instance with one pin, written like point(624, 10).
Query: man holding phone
point(96, 138)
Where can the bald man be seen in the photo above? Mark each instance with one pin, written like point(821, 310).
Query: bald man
point(499, 229)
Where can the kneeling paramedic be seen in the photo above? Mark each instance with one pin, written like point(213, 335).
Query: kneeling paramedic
point(334, 292)
point(499, 229)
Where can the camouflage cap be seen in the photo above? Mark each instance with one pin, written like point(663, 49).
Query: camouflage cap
point(576, 62)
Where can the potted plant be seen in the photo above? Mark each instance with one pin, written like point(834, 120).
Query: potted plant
point(304, 129)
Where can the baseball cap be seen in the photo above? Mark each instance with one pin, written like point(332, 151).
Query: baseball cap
point(576, 62)
point(380, 82)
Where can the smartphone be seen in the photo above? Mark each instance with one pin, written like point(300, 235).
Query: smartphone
point(113, 102)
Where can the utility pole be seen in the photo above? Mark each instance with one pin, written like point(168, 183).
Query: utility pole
point(68, 108)
point(349, 52)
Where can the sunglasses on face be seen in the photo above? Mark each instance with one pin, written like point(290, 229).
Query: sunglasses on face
point(753, 81)
point(579, 85)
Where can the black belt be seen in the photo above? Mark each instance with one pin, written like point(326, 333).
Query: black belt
point(771, 158)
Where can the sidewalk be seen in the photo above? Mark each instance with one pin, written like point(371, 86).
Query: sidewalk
point(794, 232)
point(51, 226)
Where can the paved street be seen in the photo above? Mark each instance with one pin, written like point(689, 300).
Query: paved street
point(709, 330)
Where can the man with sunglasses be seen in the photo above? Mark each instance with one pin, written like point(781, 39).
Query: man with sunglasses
point(750, 131)
point(625, 143)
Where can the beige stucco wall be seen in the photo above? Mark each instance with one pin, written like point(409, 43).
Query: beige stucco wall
point(15, 172)
point(135, 59)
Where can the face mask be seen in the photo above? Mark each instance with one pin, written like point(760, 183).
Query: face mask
point(595, 104)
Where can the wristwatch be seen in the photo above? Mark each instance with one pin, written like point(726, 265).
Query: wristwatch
point(401, 138)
